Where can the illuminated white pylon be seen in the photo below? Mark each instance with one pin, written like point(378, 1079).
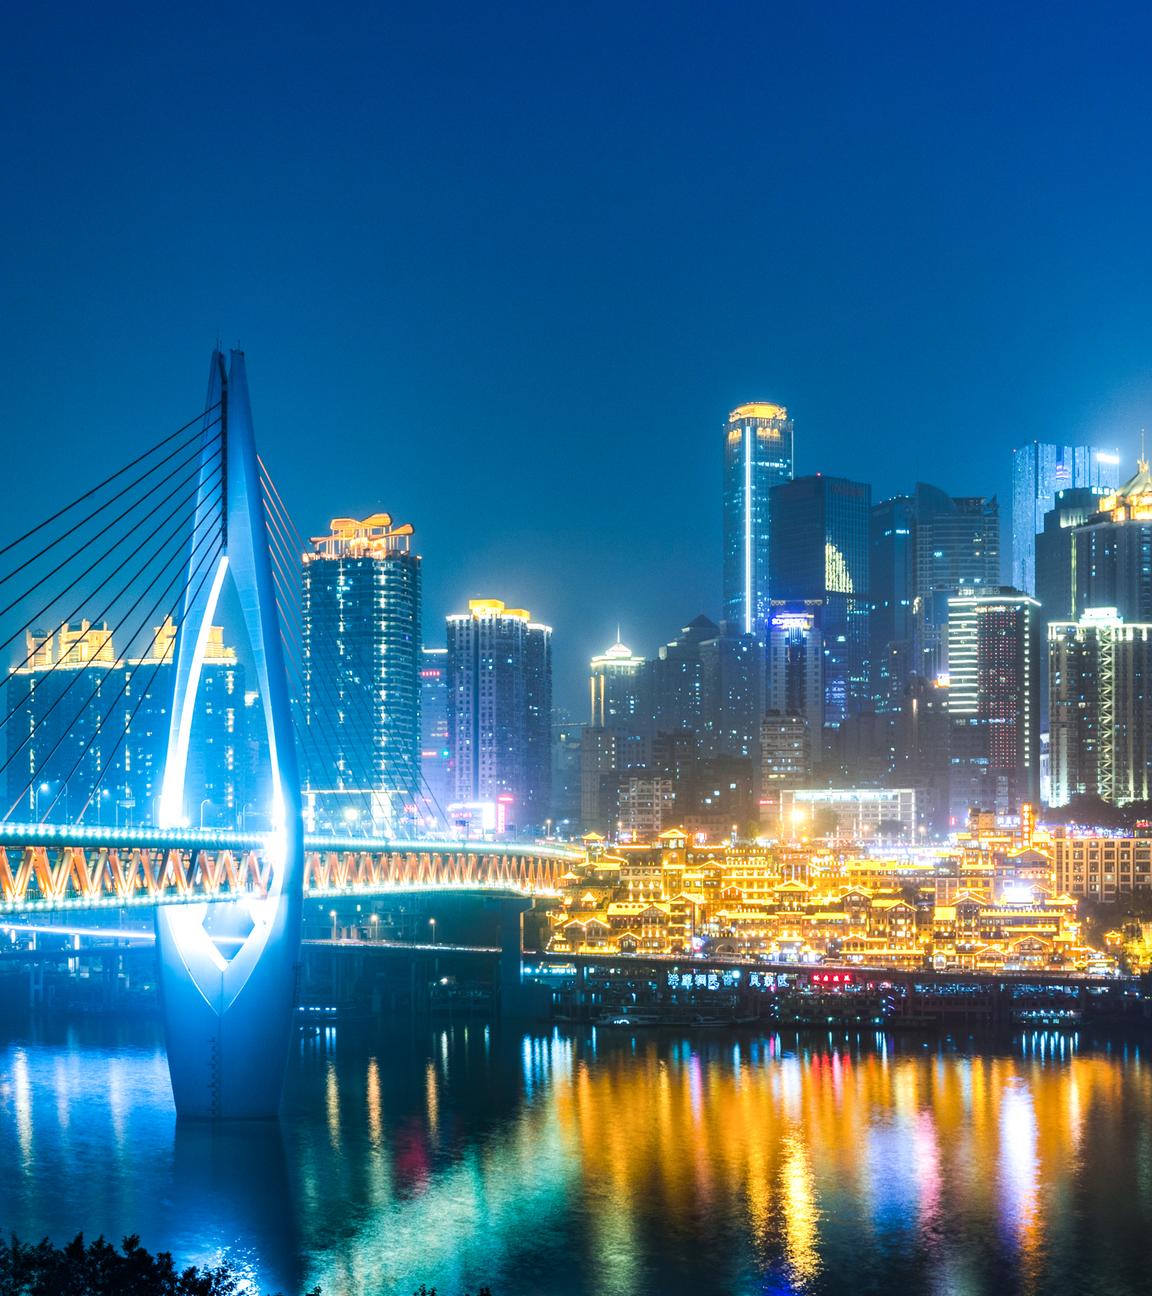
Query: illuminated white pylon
point(228, 1022)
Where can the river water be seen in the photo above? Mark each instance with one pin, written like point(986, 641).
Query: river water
point(716, 1163)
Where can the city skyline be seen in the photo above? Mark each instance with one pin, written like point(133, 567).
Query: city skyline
point(472, 307)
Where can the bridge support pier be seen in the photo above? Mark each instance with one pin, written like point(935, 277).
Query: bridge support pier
point(515, 998)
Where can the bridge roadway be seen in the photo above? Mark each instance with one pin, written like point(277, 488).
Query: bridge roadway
point(50, 866)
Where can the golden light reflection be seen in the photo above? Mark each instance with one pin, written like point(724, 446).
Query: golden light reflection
point(801, 1214)
point(914, 1140)
point(375, 1123)
point(332, 1106)
point(432, 1101)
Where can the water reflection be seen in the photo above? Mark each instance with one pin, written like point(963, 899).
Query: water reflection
point(604, 1163)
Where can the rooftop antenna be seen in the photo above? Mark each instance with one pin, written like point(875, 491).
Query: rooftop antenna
point(1142, 462)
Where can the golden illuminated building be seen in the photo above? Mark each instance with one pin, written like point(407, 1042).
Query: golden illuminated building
point(989, 904)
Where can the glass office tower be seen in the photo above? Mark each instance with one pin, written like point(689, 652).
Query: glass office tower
point(1039, 472)
point(820, 563)
point(757, 457)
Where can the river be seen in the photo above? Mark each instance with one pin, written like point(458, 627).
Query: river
point(716, 1163)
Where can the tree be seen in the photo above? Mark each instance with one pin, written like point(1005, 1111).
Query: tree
point(98, 1269)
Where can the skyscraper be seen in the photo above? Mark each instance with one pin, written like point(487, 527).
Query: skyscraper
point(90, 730)
point(677, 678)
point(362, 662)
point(820, 560)
point(434, 751)
point(795, 667)
point(616, 689)
point(1112, 553)
point(893, 590)
point(957, 546)
point(758, 455)
point(1100, 708)
point(1039, 472)
point(500, 716)
point(732, 693)
point(993, 700)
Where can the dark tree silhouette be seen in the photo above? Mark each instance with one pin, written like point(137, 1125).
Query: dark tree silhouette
point(99, 1269)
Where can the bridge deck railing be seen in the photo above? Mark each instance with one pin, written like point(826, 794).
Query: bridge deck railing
point(44, 866)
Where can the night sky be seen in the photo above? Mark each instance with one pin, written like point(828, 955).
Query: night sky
point(501, 270)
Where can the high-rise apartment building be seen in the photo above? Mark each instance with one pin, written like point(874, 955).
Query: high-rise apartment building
point(362, 684)
point(820, 560)
point(993, 701)
point(758, 455)
point(957, 546)
point(616, 689)
point(500, 716)
point(89, 731)
point(436, 790)
point(1100, 708)
point(1040, 471)
point(785, 755)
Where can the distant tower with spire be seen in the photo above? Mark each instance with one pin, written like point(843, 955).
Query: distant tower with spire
point(615, 688)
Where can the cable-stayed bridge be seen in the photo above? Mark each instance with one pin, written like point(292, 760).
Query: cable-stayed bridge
point(128, 721)
point(49, 867)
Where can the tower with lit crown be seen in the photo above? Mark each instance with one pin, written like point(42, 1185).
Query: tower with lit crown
point(758, 454)
point(361, 620)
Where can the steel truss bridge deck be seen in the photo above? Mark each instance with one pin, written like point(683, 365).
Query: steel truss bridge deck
point(44, 866)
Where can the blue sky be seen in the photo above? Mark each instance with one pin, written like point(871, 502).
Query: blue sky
point(501, 270)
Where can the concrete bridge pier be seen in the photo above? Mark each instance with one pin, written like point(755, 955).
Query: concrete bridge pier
point(515, 998)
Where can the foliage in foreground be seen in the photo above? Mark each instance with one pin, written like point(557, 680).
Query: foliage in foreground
point(98, 1269)
point(424, 1290)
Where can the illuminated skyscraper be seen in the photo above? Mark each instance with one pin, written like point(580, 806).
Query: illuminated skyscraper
point(1100, 708)
point(993, 701)
point(361, 614)
point(616, 687)
point(499, 716)
point(1112, 553)
point(957, 546)
point(97, 744)
point(1039, 472)
point(820, 561)
point(892, 580)
point(795, 667)
point(434, 753)
point(757, 456)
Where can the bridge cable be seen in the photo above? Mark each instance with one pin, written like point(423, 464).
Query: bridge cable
point(179, 553)
point(209, 559)
point(102, 532)
point(119, 662)
point(109, 480)
point(175, 536)
point(309, 735)
point(410, 774)
point(196, 441)
point(309, 729)
point(146, 694)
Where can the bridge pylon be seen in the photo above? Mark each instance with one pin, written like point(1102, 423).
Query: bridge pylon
point(228, 981)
